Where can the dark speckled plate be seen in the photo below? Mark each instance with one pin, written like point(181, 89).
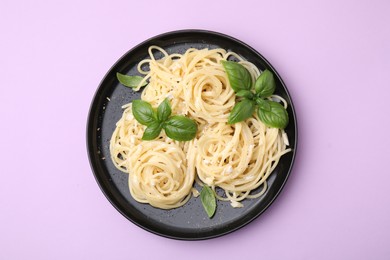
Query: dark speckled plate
point(188, 222)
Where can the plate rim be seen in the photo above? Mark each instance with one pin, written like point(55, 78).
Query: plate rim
point(90, 119)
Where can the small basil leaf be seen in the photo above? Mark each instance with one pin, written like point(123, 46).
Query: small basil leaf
point(130, 81)
point(241, 111)
point(245, 93)
point(263, 104)
point(180, 128)
point(265, 84)
point(152, 131)
point(143, 112)
point(239, 77)
point(208, 200)
point(276, 117)
point(164, 111)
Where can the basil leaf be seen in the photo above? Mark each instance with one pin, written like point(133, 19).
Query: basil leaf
point(208, 200)
point(130, 81)
point(276, 117)
point(245, 93)
point(241, 111)
point(180, 128)
point(263, 104)
point(143, 112)
point(239, 77)
point(152, 131)
point(164, 111)
point(265, 84)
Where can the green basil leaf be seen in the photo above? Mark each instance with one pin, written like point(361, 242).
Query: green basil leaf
point(263, 104)
point(180, 128)
point(152, 131)
point(245, 93)
point(164, 111)
point(208, 200)
point(241, 111)
point(276, 117)
point(239, 77)
point(130, 81)
point(143, 112)
point(265, 84)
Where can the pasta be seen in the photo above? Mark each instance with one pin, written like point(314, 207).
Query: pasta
point(236, 158)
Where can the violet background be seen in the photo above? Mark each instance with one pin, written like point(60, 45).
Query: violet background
point(334, 58)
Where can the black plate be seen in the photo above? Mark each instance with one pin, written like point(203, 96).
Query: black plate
point(188, 222)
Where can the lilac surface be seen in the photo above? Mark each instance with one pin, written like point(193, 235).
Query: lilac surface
point(333, 56)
